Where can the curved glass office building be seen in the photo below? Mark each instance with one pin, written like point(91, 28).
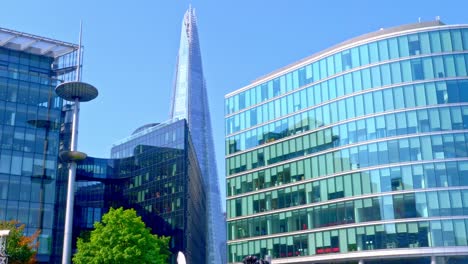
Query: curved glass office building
point(357, 154)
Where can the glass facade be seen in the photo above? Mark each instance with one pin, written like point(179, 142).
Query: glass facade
point(190, 102)
point(30, 122)
point(155, 171)
point(357, 149)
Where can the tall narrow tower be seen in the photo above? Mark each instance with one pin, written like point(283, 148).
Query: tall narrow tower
point(190, 101)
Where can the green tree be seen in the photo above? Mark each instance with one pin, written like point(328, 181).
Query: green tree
point(20, 249)
point(122, 237)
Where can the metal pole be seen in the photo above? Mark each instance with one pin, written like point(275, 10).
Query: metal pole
point(78, 70)
point(67, 238)
point(3, 256)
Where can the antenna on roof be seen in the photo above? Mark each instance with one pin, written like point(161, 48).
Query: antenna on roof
point(78, 69)
point(437, 18)
point(419, 19)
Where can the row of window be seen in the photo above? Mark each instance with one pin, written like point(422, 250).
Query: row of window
point(401, 178)
point(85, 217)
point(383, 50)
point(437, 233)
point(29, 93)
point(27, 189)
point(164, 163)
point(162, 206)
point(170, 136)
point(22, 73)
point(8, 56)
point(28, 164)
point(375, 77)
point(344, 160)
point(391, 151)
point(157, 190)
point(403, 123)
point(410, 177)
point(388, 207)
point(27, 213)
point(28, 140)
point(398, 98)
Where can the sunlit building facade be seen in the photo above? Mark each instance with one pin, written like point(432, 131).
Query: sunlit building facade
point(357, 154)
point(30, 124)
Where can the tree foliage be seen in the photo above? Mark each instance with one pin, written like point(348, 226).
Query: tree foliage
point(21, 249)
point(122, 237)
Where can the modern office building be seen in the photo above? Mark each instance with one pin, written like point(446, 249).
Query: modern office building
point(357, 154)
point(154, 171)
point(190, 102)
point(30, 123)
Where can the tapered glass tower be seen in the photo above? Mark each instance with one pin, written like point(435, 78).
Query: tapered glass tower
point(190, 101)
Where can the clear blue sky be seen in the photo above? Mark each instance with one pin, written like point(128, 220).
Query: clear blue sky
point(131, 48)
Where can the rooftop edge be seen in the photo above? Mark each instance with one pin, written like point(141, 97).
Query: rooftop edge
point(342, 45)
point(34, 44)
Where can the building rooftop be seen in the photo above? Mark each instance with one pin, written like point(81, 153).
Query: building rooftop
point(33, 44)
point(343, 45)
point(143, 130)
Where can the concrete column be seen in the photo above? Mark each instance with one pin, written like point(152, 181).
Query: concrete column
point(433, 260)
point(361, 261)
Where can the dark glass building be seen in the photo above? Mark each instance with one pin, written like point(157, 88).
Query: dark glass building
point(31, 119)
point(155, 171)
point(357, 154)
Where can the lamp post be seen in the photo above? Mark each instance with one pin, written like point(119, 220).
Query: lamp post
point(3, 255)
point(74, 91)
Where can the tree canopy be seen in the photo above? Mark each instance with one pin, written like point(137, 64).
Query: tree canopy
point(122, 237)
point(20, 249)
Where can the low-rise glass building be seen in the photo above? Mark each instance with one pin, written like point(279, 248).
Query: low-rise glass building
point(155, 172)
point(356, 154)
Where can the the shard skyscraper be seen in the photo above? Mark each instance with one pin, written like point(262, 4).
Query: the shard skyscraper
point(190, 101)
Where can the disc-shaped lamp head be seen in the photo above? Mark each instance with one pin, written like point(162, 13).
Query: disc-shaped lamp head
point(71, 91)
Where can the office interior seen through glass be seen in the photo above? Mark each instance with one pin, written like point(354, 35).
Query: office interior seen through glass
point(356, 154)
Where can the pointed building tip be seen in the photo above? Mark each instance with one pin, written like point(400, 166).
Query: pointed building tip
point(190, 10)
point(189, 16)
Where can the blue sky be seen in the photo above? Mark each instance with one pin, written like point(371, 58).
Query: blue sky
point(131, 48)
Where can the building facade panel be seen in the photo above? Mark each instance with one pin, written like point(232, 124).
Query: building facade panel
point(361, 147)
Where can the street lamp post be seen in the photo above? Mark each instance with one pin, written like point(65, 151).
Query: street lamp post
point(3, 255)
point(74, 91)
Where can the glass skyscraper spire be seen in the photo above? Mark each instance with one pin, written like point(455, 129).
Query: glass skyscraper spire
point(190, 101)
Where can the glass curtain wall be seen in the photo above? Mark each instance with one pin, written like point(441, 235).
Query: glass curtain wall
point(364, 148)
